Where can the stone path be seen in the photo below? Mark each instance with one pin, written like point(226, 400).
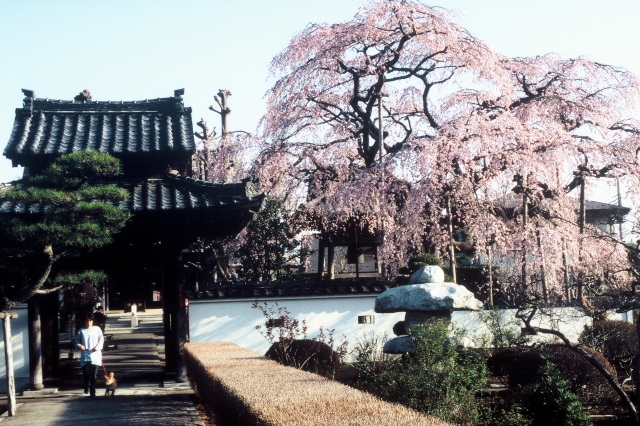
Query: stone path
point(145, 396)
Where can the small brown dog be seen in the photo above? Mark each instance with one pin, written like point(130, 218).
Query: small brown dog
point(111, 384)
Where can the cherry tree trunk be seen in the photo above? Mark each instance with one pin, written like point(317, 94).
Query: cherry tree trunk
point(525, 217)
point(583, 215)
point(452, 249)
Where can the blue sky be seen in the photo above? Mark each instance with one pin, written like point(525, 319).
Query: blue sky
point(141, 49)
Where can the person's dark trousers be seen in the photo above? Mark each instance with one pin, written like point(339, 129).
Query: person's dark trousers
point(89, 372)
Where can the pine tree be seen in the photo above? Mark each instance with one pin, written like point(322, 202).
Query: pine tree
point(67, 210)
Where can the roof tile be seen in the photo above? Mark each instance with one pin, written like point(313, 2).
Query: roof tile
point(166, 194)
point(58, 127)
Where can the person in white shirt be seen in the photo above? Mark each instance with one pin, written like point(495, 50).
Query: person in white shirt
point(90, 341)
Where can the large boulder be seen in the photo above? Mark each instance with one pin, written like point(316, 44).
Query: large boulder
point(427, 274)
point(427, 298)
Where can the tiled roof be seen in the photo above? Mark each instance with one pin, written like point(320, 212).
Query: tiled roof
point(169, 193)
point(298, 288)
point(180, 193)
point(55, 127)
point(511, 201)
point(595, 206)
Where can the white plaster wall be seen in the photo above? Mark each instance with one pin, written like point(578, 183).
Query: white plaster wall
point(236, 321)
point(20, 342)
point(569, 321)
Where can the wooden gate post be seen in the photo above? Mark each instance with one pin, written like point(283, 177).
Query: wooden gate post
point(8, 357)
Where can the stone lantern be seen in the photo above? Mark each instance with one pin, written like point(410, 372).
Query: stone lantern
point(427, 298)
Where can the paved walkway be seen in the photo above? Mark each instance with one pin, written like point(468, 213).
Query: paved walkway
point(145, 396)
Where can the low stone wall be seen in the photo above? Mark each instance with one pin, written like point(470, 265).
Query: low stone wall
point(242, 387)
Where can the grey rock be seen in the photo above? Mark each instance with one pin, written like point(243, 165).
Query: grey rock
point(399, 345)
point(412, 318)
point(427, 298)
point(427, 274)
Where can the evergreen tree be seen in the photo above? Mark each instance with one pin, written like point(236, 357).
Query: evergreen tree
point(68, 209)
point(269, 243)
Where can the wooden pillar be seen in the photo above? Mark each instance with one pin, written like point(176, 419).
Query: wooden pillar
point(177, 321)
point(8, 357)
point(35, 344)
point(49, 311)
point(332, 261)
point(321, 258)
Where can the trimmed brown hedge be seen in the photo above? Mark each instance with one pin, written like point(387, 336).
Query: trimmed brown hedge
point(242, 387)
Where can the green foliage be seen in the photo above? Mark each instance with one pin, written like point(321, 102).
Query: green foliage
point(582, 377)
point(503, 332)
point(78, 295)
point(616, 340)
point(549, 402)
point(84, 277)
point(370, 361)
point(545, 399)
point(514, 415)
point(270, 244)
point(72, 170)
point(423, 259)
point(437, 379)
point(79, 215)
point(75, 211)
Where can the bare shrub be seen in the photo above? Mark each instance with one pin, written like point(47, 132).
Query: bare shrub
point(309, 355)
point(290, 346)
point(616, 340)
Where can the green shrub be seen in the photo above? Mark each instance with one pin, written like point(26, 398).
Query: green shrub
point(525, 369)
point(369, 360)
point(516, 414)
point(438, 379)
point(503, 332)
point(616, 340)
point(550, 401)
point(583, 378)
point(423, 259)
point(500, 361)
point(546, 400)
